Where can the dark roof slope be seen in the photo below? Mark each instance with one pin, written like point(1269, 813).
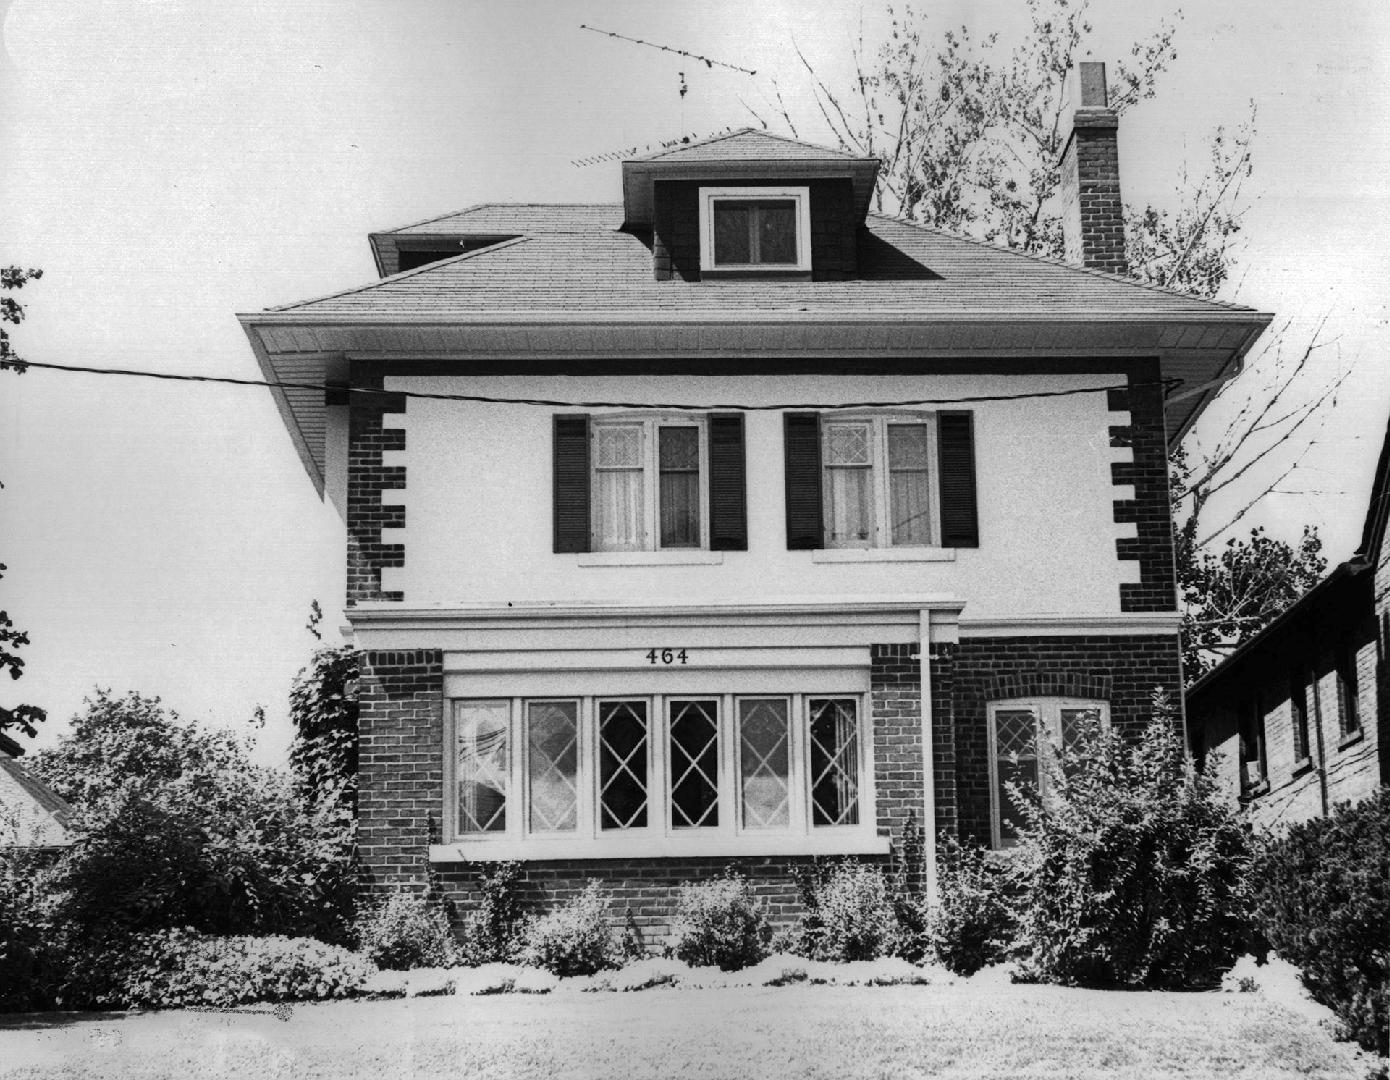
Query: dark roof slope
point(576, 258)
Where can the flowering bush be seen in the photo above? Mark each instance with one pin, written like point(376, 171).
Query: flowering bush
point(721, 924)
point(491, 932)
point(574, 939)
point(970, 925)
point(178, 968)
point(1136, 871)
point(854, 914)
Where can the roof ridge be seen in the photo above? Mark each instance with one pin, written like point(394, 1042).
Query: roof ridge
point(749, 130)
point(483, 206)
point(1120, 279)
point(435, 265)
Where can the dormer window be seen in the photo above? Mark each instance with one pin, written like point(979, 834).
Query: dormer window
point(755, 230)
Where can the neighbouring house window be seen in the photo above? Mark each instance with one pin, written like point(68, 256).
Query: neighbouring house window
point(647, 492)
point(700, 765)
point(755, 229)
point(1022, 735)
point(877, 485)
point(1253, 767)
point(1298, 714)
point(1348, 699)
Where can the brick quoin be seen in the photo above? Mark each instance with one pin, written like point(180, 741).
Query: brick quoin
point(1150, 510)
point(367, 479)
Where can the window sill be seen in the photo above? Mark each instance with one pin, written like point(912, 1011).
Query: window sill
point(1351, 738)
point(1254, 791)
point(651, 558)
point(855, 842)
point(1301, 766)
point(902, 554)
point(744, 273)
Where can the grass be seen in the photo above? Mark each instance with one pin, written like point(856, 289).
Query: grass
point(971, 1030)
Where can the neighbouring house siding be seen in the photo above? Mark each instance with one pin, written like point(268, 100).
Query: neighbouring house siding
point(1341, 766)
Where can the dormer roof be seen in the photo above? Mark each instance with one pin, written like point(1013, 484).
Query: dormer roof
point(747, 154)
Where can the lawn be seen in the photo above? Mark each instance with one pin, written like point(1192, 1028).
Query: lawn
point(975, 1029)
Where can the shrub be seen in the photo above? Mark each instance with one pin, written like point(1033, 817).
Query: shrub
point(970, 926)
point(407, 930)
point(855, 914)
point(30, 964)
point(1136, 871)
point(179, 968)
point(491, 933)
point(1324, 904)
point(574, 939)
point(720, 924)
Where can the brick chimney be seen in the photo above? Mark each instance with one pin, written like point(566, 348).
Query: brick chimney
point(1093, 224)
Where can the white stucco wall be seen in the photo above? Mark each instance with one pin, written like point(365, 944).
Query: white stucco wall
point(478, 499)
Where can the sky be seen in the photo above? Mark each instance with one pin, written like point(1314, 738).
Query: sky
point(169, 164)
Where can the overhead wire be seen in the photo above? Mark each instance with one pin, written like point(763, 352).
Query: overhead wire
point(494, 399)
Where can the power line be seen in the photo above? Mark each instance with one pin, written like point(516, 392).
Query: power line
point(488, 399)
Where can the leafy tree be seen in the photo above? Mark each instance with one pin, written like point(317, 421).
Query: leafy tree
point(180, 828)
point(323, 707)
point(22, 718)
point(970, 131)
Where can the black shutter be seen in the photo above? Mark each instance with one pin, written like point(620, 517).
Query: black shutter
point(801, 446)
point(728, 513)
point(956, 443)
point(570, 485)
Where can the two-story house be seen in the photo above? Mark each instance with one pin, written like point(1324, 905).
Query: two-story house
point(733, 523)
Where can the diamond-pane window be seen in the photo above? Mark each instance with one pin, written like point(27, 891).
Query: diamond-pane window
point(847, 444)
point(764, 763)
point(482, 765)
point(552, 765)
point(1016, 762)
point(623, 747)
point(694, 764)
point(834, 746)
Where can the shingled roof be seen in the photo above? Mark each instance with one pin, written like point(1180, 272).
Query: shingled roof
point(748, 144)
point(577, 258)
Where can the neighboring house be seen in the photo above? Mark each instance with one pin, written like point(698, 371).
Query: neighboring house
point(31, 814)
point(734, 523)
point(1297, 713)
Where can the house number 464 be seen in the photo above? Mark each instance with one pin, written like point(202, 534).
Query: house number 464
point(667, 656)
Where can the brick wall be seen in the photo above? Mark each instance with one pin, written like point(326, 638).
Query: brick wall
point(676, 226)
point(1150, 509)
point(1122, 670)
point(368, 437)
point(400, 771)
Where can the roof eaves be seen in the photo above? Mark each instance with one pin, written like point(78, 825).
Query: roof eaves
point(1348, 570)
point(1062, 264)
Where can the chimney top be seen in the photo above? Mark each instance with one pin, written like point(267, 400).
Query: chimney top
point(1092, 212)
point(1090, 77)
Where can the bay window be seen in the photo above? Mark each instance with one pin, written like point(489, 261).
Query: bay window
point(674, 769)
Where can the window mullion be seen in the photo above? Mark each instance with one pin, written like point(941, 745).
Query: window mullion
point(878, 456)
point(651, 511)
point(801, 779)
point(658, 767)
point(516, 794)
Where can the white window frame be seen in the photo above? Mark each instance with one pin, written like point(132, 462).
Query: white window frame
point(710, 197)
point(1048, 716)
point(650, 525)
point(660, 835)
point(881, 534)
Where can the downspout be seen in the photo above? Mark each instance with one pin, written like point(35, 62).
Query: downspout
point(928, 757)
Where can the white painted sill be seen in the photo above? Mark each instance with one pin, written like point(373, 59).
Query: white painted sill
point(901, 554)
point(856, 842)
point(651, 558)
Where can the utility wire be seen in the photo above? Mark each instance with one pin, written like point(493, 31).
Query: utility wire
point(1167, 384)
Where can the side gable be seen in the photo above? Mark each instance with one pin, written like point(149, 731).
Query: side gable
point(31, 813)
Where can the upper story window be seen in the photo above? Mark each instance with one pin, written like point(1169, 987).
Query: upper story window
point(878, 488)
point(646, 483)
point(1022, 733)
point(1348, 694)
point(1254, 768)
point(755, 229)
